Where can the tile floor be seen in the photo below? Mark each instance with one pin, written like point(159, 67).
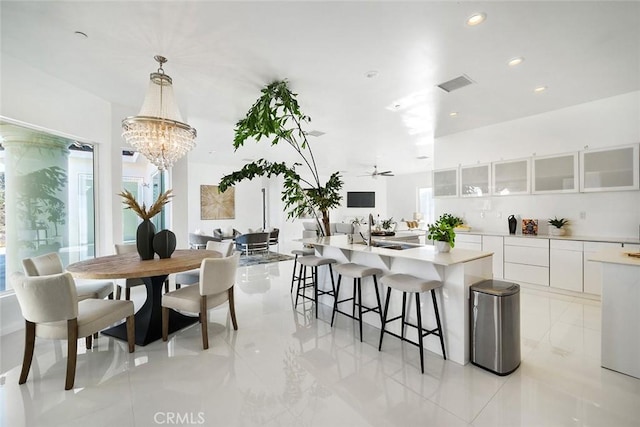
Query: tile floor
point(284, 367)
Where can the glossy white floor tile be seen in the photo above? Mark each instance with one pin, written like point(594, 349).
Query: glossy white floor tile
point(284, 367)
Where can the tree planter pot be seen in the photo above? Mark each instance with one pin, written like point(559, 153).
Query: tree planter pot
point(144, 239)
point(442, 246)
point(557, 231)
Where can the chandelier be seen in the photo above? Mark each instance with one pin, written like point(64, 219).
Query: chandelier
point(158, 131)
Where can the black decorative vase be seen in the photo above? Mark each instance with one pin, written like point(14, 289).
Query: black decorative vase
point(144, 239)
point(164, 243)
point(513, 223)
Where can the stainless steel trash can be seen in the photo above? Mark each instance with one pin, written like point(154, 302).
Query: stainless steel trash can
point(495, 326)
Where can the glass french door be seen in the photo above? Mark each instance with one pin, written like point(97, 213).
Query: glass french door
point(46, 198)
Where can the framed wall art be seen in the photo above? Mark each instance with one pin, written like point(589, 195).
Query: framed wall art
point(217, 205)
point(530, 227)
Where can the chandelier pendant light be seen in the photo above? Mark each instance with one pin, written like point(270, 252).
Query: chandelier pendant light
point(158, 131)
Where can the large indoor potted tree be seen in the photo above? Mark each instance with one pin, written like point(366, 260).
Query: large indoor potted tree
point(276, 115)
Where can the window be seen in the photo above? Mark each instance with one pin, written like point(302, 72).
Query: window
point(146, 183)
point(425, 204)
point(46, 198)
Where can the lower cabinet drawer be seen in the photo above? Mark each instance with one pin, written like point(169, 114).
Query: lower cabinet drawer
point(467, 245)
point(527, 255)
point(526, 273)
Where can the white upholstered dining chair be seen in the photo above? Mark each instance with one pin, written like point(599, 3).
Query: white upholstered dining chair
point(51, 309)
point(51, 263)
point(192, 277)
point(215, 286)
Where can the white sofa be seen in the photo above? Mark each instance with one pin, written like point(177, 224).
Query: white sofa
point(335, 228)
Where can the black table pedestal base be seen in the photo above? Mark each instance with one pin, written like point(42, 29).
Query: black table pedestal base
point(148, 320)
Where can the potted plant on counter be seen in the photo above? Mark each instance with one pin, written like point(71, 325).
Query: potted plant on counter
point(557, 224)
point(389, 226)
point(442, 234)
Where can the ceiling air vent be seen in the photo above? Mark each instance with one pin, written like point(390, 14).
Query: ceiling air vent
point(455, 84)
point(315, 133)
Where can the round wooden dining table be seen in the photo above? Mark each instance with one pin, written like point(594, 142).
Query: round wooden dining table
point(148, 320)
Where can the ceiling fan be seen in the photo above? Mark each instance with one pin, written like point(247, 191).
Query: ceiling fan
point(376, 174)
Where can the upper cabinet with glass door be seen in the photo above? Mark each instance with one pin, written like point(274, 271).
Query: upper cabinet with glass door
point(474, 181)
point(609, 169)
point(511, 177)
point(445, 183)
point(555, 174)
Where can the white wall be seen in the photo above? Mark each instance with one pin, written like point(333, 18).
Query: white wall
point(607, 122)
point(362, 183)
point(402, 194)
point(248, 199)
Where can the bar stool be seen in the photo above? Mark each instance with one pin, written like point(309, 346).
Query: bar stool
point(314, 262)
point(407, 283)
point(299, 252)
point(357, 272)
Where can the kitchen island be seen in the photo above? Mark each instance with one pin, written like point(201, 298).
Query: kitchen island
point(620, 348)
point(457, 270)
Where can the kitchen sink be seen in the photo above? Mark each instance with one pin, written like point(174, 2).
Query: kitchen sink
point(398, 246)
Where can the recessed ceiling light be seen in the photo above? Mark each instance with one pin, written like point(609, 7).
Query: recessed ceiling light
point(422, 157)
point(453, 113)
point(476, 19)
point(371, 74)
point(81, 35)
point(515, 61)
point(540, 89)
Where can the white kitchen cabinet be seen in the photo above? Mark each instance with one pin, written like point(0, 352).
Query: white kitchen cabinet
point(474, 181)
point(526, 260)
point(565, 264)
point(469, 241)
point(610, 169)
point(555, 174)
point(511, 177)
point(631, 248)
point(592, 271)
point(445, 183)
point(495, 244)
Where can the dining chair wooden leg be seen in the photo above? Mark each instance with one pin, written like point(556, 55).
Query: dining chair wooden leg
point(119, 292)
point(232, 309)
point(29, 344)
point(165, 323)
point(204, 322)
point(88, 341)
point(131, 333)
point(166, 286)
point(72, 352)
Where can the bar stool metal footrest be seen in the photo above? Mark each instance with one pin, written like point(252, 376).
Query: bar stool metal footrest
point(410, 284)
point(357, 272)
point(297, 253)
point(314, 262)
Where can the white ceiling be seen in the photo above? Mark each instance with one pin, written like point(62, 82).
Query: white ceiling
point(221, 53)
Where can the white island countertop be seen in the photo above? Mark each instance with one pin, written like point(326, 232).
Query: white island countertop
point(620, 335)
point(616, 257)
point(425, 253)
point(457, 270)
